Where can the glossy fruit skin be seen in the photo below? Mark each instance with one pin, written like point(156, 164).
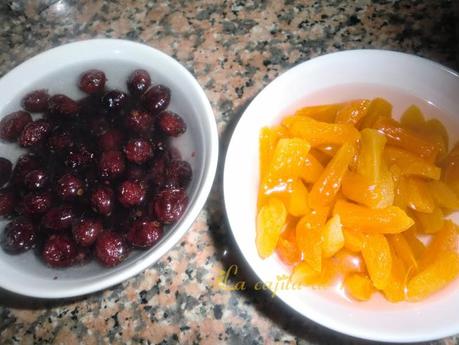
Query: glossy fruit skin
point(111, 140)
point(111, 249)
point(139, 121)
point(156, 98)
point(69, 187)
point(111, 164)
point(11, 125)
point(6, 168)
point(144, 233)
point(60, 141)
point(80, 157)
point(59, 218)
point(19, 235)
point(178, 174)
point(25, 163)
point(59, 251)
point(138, 151)
point(86, 230)
point(171, 123)
point(36, 101)
point(138, 82)
point(37, 203)
point(7, 201)
point(34, 133)
point(62, 106)
point(169, 204)
point(114, 101)
point(36, 179)
point(102, 200)
point(157, 171)
point(130, 193)
point(92, 81)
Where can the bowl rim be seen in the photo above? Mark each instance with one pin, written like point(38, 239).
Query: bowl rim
point(324, 320)
point(187, 220)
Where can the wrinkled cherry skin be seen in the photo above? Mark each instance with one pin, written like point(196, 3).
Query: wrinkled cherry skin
point(111, 164)
point(59, 251)
point(19, 235)
point(7, 201)
point(111, 140)
point(102, 200)
point(86, 230)
point(69, 187)
point(169, 204)
point(138, 151)
point(11, 125)
point(156, 98)
point(58, 218)
point(144, 233)
point(63, 106)
point(36, 101)
point(6, 168)
point(34, 133)
point(139, 121)
point(111, 249)
point(37, 203)
point(178, 174)
point(171, 123)
point(138, 82)
point(130, 193)
point(114, 101)
point(24, 165)
point(36, 179)
point(60, 141)
point(92, 81)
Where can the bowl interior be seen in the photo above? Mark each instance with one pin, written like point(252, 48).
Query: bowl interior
point(403, 80)
point(58, 71)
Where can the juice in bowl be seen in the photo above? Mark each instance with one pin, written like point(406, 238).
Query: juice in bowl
point(335, 79)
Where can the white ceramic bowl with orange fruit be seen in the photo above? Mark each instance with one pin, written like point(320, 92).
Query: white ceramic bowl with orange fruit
point(425, 309)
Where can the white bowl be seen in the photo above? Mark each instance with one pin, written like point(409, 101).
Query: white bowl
point(58, 70)
point(404, 80)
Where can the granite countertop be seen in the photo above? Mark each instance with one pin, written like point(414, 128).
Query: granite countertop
point(234, 48)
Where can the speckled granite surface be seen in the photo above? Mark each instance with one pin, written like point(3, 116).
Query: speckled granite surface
point(234, 48)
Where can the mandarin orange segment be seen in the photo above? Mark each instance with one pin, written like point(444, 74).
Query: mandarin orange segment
point(379, 107)
point(378, 259)
point(324, 113)
point(353, 240)
point(406, 139)
point(418, 195)
point(358, 286)
point(370, 154)
point(270, 221)
point(312, 169)
point(327, 185)
point(353, 112)
point(332, 235)
point(390, 219)
point(430, 223)
point(434, 277)
point(403, 250)
point(319, 133)
point(443, 195)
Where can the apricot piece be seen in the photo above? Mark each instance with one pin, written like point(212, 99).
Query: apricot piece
point(358, 286)
point(418, 195)
point(304, 274)
point(324, 113)
point(387, 220)
point(379, 107)
point(322, 157)
point(406, 139)
point(270, 221)
point(438, 133)
point(286, 248)
point(370, 155)
point(434, 277)
point(413, 119)
point(378, 259)
point(319, 133)
point(332, 235)
point(451, 169)
point(403, 250)
point(327, 185)
point(312, 169)
point(395, 290)
point(443, 195)
point(296, 199)
point(328, 149)
point(353, 240)
point(430, 223)
point(353, 112)
point(416, 245)
point(268, 141)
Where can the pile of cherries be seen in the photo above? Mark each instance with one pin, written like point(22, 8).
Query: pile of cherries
point(100, 175)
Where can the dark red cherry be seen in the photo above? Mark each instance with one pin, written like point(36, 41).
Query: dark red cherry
point(156, 98)
point(138, 151)
point(86, 230)
point(111, 164)
point(102, 200)
point(59, 251)
point(169, 205)
point(36, 101)
point(114, 101)
point(36, 179)
point(178, 174)
point(92, 81)
point(11, 125)
point(59, 217)
point(25, 164)
point(111, 140)
point(130, 193)
point(69, 187)
point(171, 123)
point(19, 235)
point(37, 202)
point(7, 201)
point(139, 121)
point(61, 141)
point(144, 233)
point(139, 81)
point(62, 106)
point(111, 249)
point(34, 133)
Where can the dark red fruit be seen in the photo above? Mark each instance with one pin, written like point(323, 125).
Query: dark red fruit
point(102, 200)
point(59, 251)
point(79, 157)
point(144, 233)
point(36, 101)
point(86, 230)
point(25, 164)
point(34, 133)
point(130, 193)
point(157, 172)
point(114, 101)
point(178, 174)
point(59, 218)
point(157, 98)
point(111, 140)
point(111, 249)
point(98, 125)
point(19, 235)
point(169, 204)
point(11, 125)
point(139, 81)
point(69, 187)
point(36, 179)
point(37, 203)
point(111, 164)
point(171, 123)
point(135, 173)
point(92, 81)
point(138, 150)
point(60, 141)
point(7, 202)
point(6, 168)
point(63, 106)
point(139, 121)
